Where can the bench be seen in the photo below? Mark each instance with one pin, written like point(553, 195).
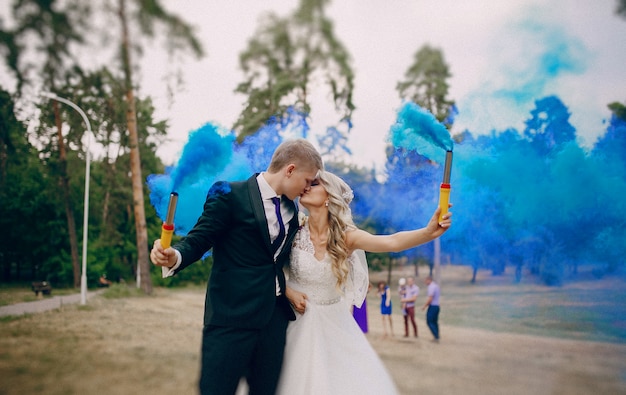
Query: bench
point(42, 287)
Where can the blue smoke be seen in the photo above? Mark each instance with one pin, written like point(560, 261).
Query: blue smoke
point(533, 199)
point(537, 199)
point(527, 67)
point(211, 154)
point(416, 129)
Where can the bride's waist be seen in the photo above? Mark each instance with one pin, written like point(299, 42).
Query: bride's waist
point(317, 297)
point(324, 302)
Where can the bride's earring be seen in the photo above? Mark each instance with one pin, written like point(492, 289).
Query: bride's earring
point(326, 204)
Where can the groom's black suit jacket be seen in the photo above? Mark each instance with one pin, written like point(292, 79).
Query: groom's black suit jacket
point(242, 286)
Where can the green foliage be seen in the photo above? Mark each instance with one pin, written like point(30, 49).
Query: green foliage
point(153, 22)
point(111, 219)
point(50, 28)
point(285, 59)
point(12, 49)
point(426, 83)
point(29, 214)
point(122, 290)
point(620, 9)
point(549, 126)
point(617, 108)
point(377, 262)
point(179, 35)
point(41, 42)
point(33, 201)
point(197, 273)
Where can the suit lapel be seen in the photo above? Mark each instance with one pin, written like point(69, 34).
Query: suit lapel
point(259, 214)
point(258, 209)
point(293, 228)
point(293, 223)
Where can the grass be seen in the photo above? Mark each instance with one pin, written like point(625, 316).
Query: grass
point(124, 342)
point(113, 344)
point(22, 292)
point(117, 291)
point(585, 308)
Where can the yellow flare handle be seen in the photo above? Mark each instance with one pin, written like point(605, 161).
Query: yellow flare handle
point(444, 199)
point(166, 235)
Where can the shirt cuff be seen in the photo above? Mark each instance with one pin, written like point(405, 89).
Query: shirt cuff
point(170, 271)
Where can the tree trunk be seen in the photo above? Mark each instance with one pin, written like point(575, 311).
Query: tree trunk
point(389, 268)
point(65, 187)
point(436, 272)
point(518, 273)
point(143, 264)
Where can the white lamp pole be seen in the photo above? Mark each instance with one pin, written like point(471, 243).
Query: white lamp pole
point(83, 277)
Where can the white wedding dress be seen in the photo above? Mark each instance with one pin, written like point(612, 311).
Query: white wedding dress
point(326, 351)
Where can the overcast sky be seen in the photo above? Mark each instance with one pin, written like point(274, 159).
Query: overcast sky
point(503, 55)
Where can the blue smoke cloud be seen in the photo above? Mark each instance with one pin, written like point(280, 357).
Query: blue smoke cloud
point(529, 67)
point(559, 55)
point(211, 154)
point(525, 193)
point(532, 199)
point(416, 129)
point(538, 200)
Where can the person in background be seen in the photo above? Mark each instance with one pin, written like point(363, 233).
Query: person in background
point(402, 294)
point(360, 313)
point(432, 303)
point(103, 281)
point(410, 296)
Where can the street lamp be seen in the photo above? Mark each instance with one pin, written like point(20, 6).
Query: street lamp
point(83, 277)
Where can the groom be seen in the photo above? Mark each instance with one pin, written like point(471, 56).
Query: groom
point(250, 226)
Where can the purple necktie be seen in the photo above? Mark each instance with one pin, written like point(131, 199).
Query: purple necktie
point(281, 233)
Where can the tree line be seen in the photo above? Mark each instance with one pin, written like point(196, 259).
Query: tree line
point(42, 163)
point(42, 160)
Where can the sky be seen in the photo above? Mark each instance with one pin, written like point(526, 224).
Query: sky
point(503, 55)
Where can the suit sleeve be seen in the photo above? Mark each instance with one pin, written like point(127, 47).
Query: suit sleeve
point(210, 226)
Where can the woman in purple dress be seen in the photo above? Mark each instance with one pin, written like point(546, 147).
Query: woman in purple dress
point(360, 314)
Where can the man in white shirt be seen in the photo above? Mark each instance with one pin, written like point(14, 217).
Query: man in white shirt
point(432, 314)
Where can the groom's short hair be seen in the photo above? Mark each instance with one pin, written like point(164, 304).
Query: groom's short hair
point(299, 152)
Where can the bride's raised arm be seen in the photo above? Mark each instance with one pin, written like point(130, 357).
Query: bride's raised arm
point(400, 241)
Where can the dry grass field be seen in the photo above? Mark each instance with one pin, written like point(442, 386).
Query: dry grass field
point(497, 338)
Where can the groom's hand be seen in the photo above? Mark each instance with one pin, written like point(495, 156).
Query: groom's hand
point(296, 299)
point(162, 257)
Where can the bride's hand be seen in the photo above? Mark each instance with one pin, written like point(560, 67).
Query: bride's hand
point(296, 299)
point(435, 227)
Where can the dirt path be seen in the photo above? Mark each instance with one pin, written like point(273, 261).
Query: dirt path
point(151, 345)
point(45, 304)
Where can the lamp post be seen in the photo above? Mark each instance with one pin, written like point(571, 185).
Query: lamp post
point(83, 277)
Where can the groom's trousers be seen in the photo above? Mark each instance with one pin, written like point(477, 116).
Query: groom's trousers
point(229, 353)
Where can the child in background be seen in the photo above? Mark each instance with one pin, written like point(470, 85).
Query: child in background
point(402, 293)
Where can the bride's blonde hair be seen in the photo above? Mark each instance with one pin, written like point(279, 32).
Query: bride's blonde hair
point(339, 221)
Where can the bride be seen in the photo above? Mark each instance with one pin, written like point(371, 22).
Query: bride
point(326, 351)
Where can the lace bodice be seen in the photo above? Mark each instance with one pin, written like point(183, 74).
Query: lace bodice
point(315, 277)
point(308, 274)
